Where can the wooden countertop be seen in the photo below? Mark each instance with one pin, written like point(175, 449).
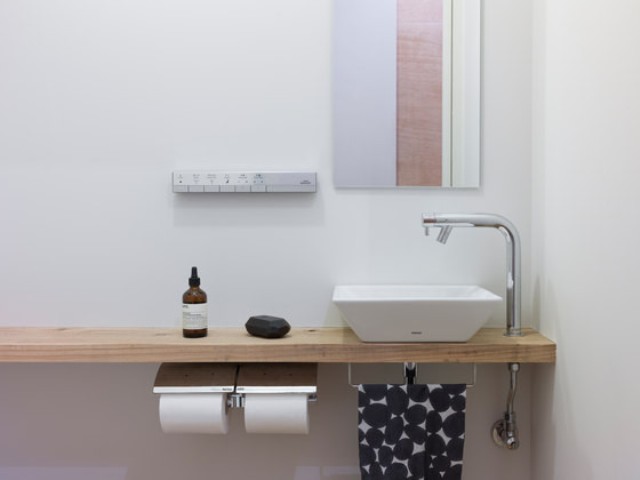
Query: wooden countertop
point(307, 344)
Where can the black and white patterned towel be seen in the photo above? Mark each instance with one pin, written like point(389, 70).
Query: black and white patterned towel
point(411, 432)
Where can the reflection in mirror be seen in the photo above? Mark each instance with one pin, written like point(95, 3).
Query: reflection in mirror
point(406, 93)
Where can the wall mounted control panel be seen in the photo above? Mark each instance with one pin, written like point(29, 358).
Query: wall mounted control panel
point(210, 181)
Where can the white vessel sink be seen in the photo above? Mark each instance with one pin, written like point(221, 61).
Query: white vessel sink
point(415, 313)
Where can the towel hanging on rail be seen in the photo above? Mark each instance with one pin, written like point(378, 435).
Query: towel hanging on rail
point(411, 431)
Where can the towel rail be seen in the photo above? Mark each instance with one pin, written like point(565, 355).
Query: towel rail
point(411, 374)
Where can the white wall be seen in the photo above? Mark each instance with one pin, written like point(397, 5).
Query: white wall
point(587, 262)
point(100, 101)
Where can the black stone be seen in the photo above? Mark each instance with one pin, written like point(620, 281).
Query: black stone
point(458, 403)
point(375, 391)
point(363, 399)
point(403, 449)
point(397, 400)
point(440, 399)
point(435, 445)
point(385, 456)
point(375, 473)
point(418, 393)
point(417, 464)
point(441, 463)
point(374, 438)
point(376, 415)
point(267, 326)
point(394, 430)
point(396, 471)
point(367, 455)
point(433, 474)
point(434, 422)
point(455, 449)
point(416, 415)
point(416, 434)
point(453, 425)
point(454, 389)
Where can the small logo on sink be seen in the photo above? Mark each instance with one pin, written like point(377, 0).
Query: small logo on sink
point(416, 333)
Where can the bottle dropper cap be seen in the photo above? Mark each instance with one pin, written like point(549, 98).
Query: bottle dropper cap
point(194, 281)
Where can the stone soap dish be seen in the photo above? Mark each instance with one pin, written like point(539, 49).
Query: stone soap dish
point(266, 326)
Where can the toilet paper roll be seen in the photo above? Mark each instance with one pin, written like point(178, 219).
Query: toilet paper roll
point(276, 413)
point(193, 413)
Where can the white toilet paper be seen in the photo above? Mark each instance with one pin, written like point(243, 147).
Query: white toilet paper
point(276, 413)
point(193, 413)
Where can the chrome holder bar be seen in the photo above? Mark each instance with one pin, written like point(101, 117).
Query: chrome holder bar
point(411, 374)
point(237, 400)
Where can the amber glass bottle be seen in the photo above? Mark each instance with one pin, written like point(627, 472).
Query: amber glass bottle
point(194, 308)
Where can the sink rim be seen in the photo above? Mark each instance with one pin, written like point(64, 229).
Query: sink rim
point(412, 293)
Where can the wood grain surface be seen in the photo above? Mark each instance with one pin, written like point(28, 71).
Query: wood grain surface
point(319, 345)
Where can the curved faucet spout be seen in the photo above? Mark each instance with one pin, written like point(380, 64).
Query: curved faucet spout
point(446, 221)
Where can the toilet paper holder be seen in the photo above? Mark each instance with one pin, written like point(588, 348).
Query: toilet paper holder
point(238, 380)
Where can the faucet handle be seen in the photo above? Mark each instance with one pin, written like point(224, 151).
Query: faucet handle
point(443, 236)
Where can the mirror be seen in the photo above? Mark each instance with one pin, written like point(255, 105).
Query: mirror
point(406, 93)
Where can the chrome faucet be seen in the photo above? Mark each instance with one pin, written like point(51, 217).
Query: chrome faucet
point(446, 222)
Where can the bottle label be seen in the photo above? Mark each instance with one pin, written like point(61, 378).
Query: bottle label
point(194, 316)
